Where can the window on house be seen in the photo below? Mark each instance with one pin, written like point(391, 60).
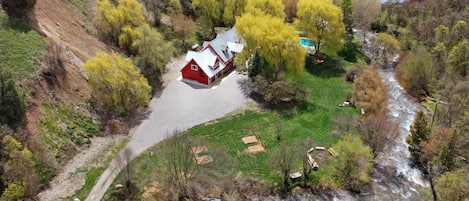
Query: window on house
point(194, 67)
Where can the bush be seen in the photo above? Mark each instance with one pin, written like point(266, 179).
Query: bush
point(12, 106)
point(370, 92)
point(349, 52)
point(277, 92)
point(16, 7)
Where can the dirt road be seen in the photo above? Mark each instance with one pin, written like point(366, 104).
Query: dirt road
point(180, 106)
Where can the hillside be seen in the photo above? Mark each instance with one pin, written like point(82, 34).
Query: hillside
point(48, 67)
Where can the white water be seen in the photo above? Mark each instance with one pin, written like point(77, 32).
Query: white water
point(402, 109)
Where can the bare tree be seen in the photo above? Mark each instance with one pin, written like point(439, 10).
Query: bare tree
point(281, 161)
point(301, 149)
point(378, 132)
point(183, 26)
point(364, 12)
point(179, 166)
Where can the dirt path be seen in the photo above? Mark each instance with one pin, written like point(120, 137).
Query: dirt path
point(73, 175)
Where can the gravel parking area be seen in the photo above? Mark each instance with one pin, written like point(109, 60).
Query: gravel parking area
point(180, 106)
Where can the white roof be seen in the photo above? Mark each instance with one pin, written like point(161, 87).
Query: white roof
point(220, 44)
point(206, 61)
point(235, 47)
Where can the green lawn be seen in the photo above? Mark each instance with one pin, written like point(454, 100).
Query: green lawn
point(21, 48)
point(299, 123)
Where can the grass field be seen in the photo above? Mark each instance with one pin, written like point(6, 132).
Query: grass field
point(314, 121)
point(21, 49)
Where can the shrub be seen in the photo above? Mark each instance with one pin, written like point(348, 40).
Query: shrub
point(12, 106)
point(16, 7)
point(349, 52)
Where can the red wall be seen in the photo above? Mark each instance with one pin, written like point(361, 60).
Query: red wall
point(199, 75)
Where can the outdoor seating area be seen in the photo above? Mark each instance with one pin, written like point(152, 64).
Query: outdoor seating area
point(199, 156)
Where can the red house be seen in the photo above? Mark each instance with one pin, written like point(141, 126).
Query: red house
point(214, 60)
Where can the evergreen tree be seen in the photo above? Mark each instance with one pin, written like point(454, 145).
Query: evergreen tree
point(255, 65)
point(447, 154)
point(12, 106)
point(419, 132)
point(347, 9)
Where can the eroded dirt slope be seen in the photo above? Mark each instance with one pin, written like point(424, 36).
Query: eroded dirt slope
point(63, 78)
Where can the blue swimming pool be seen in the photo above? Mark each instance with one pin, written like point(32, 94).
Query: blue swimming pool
point(307, 42)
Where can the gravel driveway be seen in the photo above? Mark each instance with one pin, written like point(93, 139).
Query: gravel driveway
point(179, 106)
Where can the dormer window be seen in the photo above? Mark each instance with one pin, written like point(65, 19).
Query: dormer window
point(194, 67)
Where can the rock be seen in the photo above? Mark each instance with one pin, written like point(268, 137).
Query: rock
point(119, 186)
point(76, 199)
point(116, 126)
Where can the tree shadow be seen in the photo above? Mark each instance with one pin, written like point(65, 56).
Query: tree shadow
point(18, 23)
point(324, 66)
point(245, 85)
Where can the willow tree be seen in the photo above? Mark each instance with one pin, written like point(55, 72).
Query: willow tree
point(117, 83)
point(322, 22)
point(274, 8)
point(153, 52)
point(209, 12)
point(233, 9)
point(115, 21)
point(276, 42)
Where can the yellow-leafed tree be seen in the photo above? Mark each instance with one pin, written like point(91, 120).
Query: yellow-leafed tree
point(276, 42)
point(118, 85)
point(111, 19)
point(322, 22)
point(274, 8)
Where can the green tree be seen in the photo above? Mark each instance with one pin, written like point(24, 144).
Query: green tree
point(117, 83)
point(15, 7)
point(347, 10)
point(255, 65)
point(382, 46)
point(15, 191)
point(354, 162)
point(12, 105)
point(153, 52)
point(458, 59)
point(18, 171)
point(209, 12)
point(174, 8)
point(419, 132)
point(453, 186)
point(233, 9)
point(274, 8)
point(419, 73)
point(111, 19)
point(448, 152)
point(321, 21)
point(441, 34)
point(458, 32)
point(280, 51)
